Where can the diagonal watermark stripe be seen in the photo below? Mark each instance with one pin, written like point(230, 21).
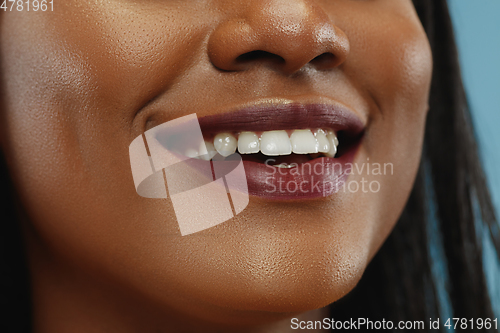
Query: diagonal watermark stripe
point(204, 192)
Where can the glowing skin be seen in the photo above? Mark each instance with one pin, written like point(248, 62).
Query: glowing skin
point(80, 83)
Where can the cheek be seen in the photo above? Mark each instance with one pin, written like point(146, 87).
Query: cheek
point(394, 63)
point(75, 79)
point(131, 52)
point(68, 124)
point(392, 67)
point(400, 70)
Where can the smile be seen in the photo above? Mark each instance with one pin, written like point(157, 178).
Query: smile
point(269, 143)
point(273, 139)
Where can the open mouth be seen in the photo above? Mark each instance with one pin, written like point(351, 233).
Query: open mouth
point(258, 146)
point(279, 148)
point(289, 150)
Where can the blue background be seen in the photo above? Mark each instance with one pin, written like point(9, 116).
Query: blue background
point(477, 28)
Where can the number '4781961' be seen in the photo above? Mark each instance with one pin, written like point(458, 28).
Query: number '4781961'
point(27, 5)
point(471, 324)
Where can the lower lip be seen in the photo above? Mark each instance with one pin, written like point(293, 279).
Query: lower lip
point(317, 178)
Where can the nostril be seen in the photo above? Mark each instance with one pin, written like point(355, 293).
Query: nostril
point(257, 38)
point(324, 60)
point(259, 55)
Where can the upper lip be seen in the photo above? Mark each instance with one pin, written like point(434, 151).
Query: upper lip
point(284, 116)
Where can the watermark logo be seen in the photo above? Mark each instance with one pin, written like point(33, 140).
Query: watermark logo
point(172, 161)
point(325, 177)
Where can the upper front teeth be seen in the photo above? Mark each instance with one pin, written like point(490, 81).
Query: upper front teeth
point(304, 142)
point(225, 144)
point(270, 143)
point(248, 143)
point(274, 143)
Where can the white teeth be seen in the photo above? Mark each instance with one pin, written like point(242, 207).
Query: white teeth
point(271, 143)
point(303, 142)
point(332, 138)
point(248, 143)
point(323, 143)
point(192, 153)
point(274, 143)
point(225, 144)
point(207, 150)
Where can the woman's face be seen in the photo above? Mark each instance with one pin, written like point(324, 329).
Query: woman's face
point(82, 81)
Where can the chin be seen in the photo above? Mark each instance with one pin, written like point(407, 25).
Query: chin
point(289, 286)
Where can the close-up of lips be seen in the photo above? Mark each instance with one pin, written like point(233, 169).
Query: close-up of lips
point(242, 166)
point(284, 135)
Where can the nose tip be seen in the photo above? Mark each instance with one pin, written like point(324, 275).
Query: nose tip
point(286, 35)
